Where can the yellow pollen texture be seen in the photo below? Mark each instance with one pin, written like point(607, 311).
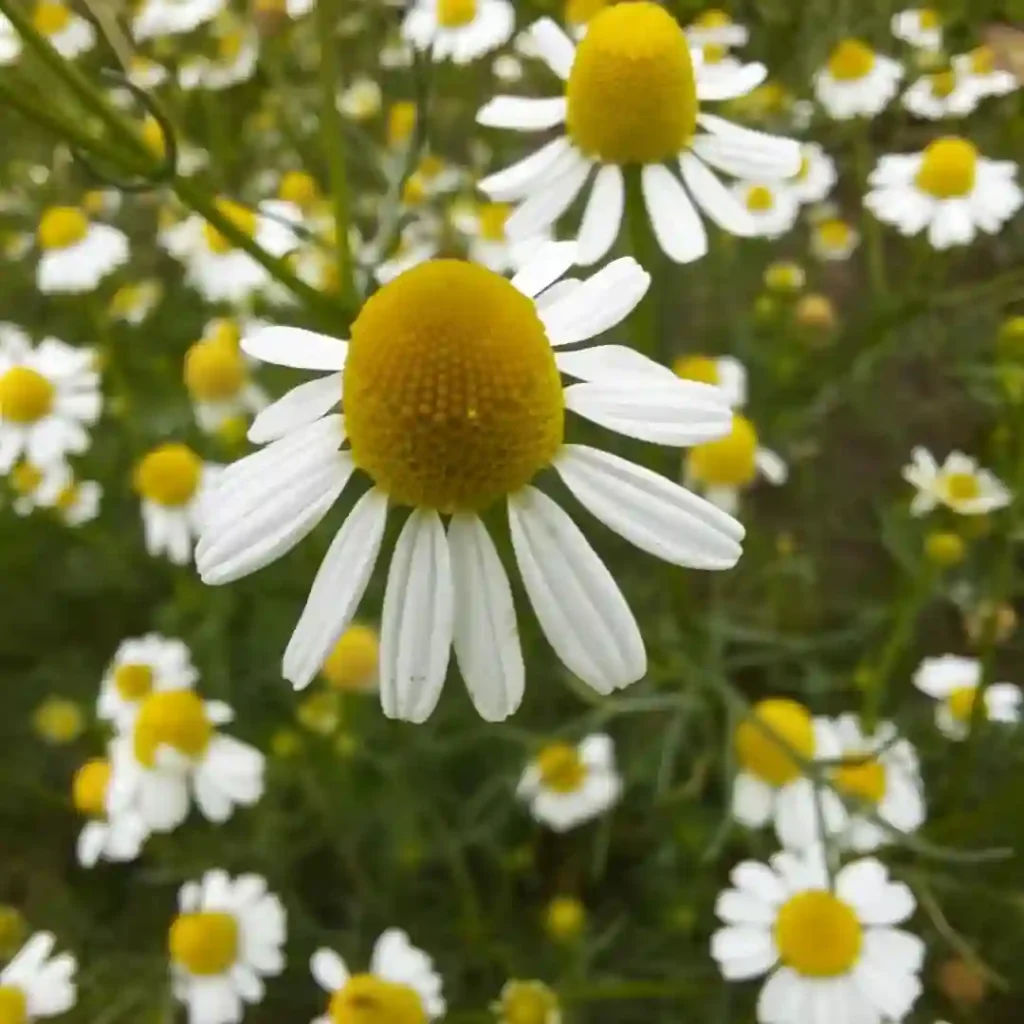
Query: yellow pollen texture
point(851, 60)
point(242, 218)
point(452, 396)
point(865, 780)
point(173, 718)
point(943, 83)
point(560, 768)
point(632, 97)
point(928, 18)
point(133, 682)
point(89, 789)
point(25, 395)
point(761, 754)
point(205, 943)
point(169, 475)
point(455, 13)
point(214, 371)
point(13, 1005)
point(948, 168)
point(25, 478)
point(818, 935)
point(61, 227)
point(729, 461)
point(367, 999)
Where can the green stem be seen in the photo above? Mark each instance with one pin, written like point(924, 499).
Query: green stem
point(873, 241)
point(644, 247)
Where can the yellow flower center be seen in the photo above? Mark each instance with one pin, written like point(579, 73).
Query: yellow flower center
point(834, 234)
point(133, 681)
point(214, 371)
point(169, 475)
point(89, 788)
point(983, 60)
point(25, 478)
point(729, 461)
point(67, 498)
point(943, 83)
point(928, 18)
point(94, 202)
point(632, 94)
point(58, 721)
point(61, 226)
point(580, 12)
point(26, 396)
point(13, 1005)
point(805, 168)
point(240, 216)
point(452, 396)
point(173, 718)
point(353, 662)
point(528, 1002)
point(865, 780)
point(299, 188)
point(961, 703)
point(761, 754)
point(204, 943)
point(851, 60)
point(367, 999)
point(948, 168)
point(560, 768)
point(699, 368)
point(455, 13)
point(961, 486)
point(223, 332)
point(715, 53)
point(153, 137)
point(125, 299)
point(492, 221)
point(712, 18)
point(760, 199)
point(818, 935)
point(49, 19)
point(401, 122)
point(229, 45)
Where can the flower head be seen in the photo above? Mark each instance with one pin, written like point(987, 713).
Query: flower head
point(68, 33)
point(104, 837)
point(959, 484)
point(142, 666)
point(527, 1002)
point(35, 984)
point(458, 30)
point(921, 27)
point(856, 81)
point(955, 683)
point(75, 253)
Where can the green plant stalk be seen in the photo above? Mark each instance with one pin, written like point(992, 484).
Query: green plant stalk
point(334, 143)
point(644, 248)
point(873, 242)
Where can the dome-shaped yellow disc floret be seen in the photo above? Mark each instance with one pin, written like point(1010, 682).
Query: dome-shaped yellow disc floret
point(13, 1005)
point(169, 475)
point(949, 168)
point(851, 60)
point(133, 681)
point(367, 999)
point(49, 18)
point(703, 369)
point(173, 718)
point(89, 788)
point(452, 396)
point(761, 754)
point(818, 935)
point(352, 664)
point(204, 943)
point(214, 371)
point(26, 396)
point(61, 227)
point(560, 767)
point(729, 461)
point(455, 13)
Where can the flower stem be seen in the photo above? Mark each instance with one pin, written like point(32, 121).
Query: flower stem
point(873, 241)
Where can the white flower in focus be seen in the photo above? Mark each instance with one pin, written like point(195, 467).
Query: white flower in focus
point(921, 27)
point(725, 372)
point(817, 175)
point(715, 27)
point(959, 483)
point(856, 81)
point(36, 985)
point(772, 206)
point(102, 837)
point(980, 69)
point(833, 239)
point(954, 681)
point(141, 666)
point(228, 936)
point(831, 955)
point(942, 94)
point(458, 30)
point(49, 394)
point(632, 100)
point(436, 427)
point(361, 101)
point(10, 42)
point(218, 381)
point(567, 786)
point(484, 224)
point(157, 18)
point(68, 33)
point(76, 254)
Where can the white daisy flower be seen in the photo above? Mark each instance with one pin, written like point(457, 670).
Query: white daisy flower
point(170, 751)
point(156, 18)
point(942, 94)
point(141, 666)
point(172, 481)
point(361, 101)
point(237, 55)
point(49, 394)
point(10, 42)
point(78, 501)
point(450, 430)
point(728, 465)
point(954, 682)
point(401, 984)
point(979, 68)
point(856, 81)
point(213, 266)
point(459, 30)
point(567, 786)
point(218, 382)
point(889, 784)
point(817, 175)
point(921, 27)
point(102, 837)
point(133, 303)
point(725, 372)
point(484, 223)
point(959, 483)
point(632, 101)
point(831, 955)
point(950, 189)
point(68, 33)
point(76, 254)
point(36, 487)
point(35, 984)
point(715, 27)
point(833, 239)
point(228, 936)
point(144, 73)
point(772, 206)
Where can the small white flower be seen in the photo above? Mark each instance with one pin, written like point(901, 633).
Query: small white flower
point(141, 666)
point(459, 30)
point(831, 955)
point(10, 41)
point(979, 68)
point(959, 484)
point(219, 383)
point(36, 984)
point(362, 100)
point(144, 73)
point(228, 936)
point(772, 206)
point(942, 94)
point(715, 27)
point(103, 837)
point(76, 254)
point(401, 984)
point(68, 33)
point(78, 502)
point(299, 8)
point(817, 175)
point(856, 81)
point(954, 681)
point(833, 239)
point(921, 27)
point(133, 303)
point(37, 487)
point(156, 18)
point(567, 786)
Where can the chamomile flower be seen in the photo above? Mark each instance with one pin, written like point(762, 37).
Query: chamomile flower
point(769, 786)
point(883, 776)
point(237, 52)
point(361, 101)
point(954, 682)
point(228, 936)
point(68, 33)
point(157, 18)
point(35, 985)
point(431, 178)
point(817, 175)
point(942, 94)
point(725, 372)
point(172, 481)
point(950, 189)
point(833, 239)
point(401, 986)
point(772, 206)
point(458, 30)
point(133, 303)
point(49, 394)
point(219, 384)
point(856, 81)
point(921, 27)
point(142, 666)
point(484, 224)
point(568, 785)
point(980, 69)
point(78, 501)
point(959, 484)
point(170, 751)
point(10, 42)
point(451, 407)
point(75, 255)
point(144, 73)
point(831, 954)
point(632, 103)
point(36, 487)
point(103, 837)
point(527, 1002)
point(715, 27)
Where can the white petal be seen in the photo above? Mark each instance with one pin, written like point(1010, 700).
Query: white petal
point(718, 202)
point(774, 157)
point(611, 363)
point(771, 466)
point(545, 268)
point(337, 589)
point(603, 215)
point(676, 223)
point(580, 608)
point(519, 179)
point(417, 620)
point(650, 511)
point(486, 636)
point(729, 87)
point(522, 113)
point(552, 198)
point(295, 347)
point(554, 47)
point(303, 404)
point(328, 970)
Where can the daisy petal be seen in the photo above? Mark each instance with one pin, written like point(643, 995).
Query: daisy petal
point(675, 222)
point(551, 200)
point(603, 215)
point(772, 156)
point(519, 179)
point(522, 113)
point(297, 348)
point(717, 201)
point(554, 47)
point(303, 404)
point(729, 87)
point(610, 363)
point(328, 970)
point(546, 267)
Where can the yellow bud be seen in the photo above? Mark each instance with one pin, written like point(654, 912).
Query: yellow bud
point(285, 744)
point(319, 712)
point(565, 918)
point(784, 278)
point(58, 721)
point(944, 548)
point(1010, 339)
point(816, 313)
